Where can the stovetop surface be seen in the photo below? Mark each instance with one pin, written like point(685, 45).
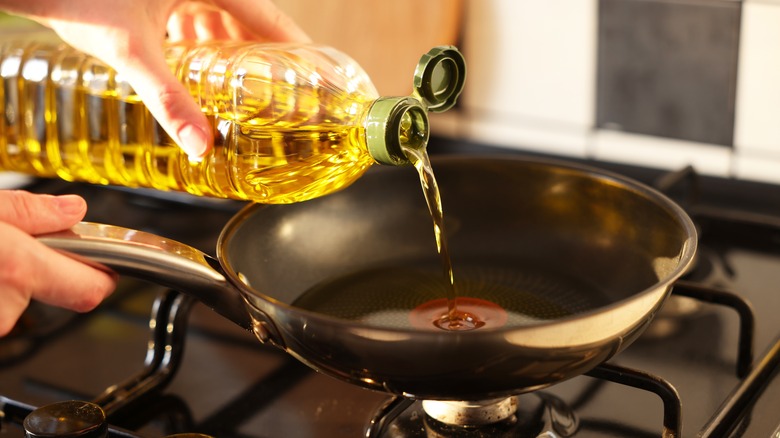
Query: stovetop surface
point(230, 385)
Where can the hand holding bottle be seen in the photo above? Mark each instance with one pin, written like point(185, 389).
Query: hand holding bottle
point(31, 270)
point(128, 35)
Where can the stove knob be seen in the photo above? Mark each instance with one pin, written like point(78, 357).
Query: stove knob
point(67, 419)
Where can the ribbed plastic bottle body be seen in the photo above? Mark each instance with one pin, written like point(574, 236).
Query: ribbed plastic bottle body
point(287, 120)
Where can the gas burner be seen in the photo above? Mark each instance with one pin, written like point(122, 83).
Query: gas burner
point(536, 414)
point(471, 413)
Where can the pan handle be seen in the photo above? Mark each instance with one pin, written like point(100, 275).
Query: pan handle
point(155, 259)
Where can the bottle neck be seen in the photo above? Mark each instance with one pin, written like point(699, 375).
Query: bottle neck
point(394, 125)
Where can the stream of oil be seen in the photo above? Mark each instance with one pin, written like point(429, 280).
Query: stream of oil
point(452, 314)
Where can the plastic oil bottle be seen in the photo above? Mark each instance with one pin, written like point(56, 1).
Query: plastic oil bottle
point(290, 122)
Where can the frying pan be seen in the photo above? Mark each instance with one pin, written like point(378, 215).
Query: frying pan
point(584, 257)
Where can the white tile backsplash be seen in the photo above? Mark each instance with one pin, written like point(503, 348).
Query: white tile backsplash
point(531, 86)
point(531, 68)
point(757, 122)
point(550, 137)
point(661, 153)
point(757, 167)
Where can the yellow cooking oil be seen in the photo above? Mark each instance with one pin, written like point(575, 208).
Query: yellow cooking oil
point(290, 122)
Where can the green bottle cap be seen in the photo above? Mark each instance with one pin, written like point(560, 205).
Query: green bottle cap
point(394, 124)
point(439, 77)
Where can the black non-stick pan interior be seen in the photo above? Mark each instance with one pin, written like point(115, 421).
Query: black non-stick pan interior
point(546, 242)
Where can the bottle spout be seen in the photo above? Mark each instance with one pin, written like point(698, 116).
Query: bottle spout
point(395, 124)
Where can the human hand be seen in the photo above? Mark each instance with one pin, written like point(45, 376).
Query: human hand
point(128, 35)
point(30, 270)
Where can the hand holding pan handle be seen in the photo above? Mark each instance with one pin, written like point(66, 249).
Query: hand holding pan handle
point(156, 259)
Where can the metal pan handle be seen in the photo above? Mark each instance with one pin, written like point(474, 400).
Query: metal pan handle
point(155, 259)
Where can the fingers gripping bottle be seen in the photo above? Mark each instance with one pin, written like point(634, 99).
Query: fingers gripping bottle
point(291, 122)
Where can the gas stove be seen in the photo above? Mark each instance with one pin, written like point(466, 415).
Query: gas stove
point(158, 364)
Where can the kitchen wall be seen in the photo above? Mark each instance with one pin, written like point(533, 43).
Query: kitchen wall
point(658, 83)
point(386, 38)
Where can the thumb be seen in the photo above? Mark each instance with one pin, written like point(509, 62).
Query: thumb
point(37, 214)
